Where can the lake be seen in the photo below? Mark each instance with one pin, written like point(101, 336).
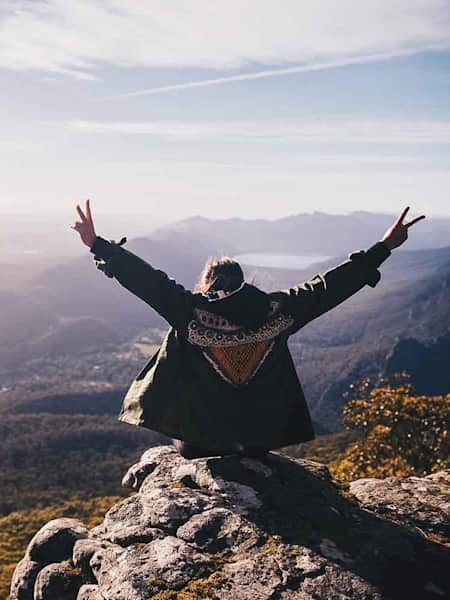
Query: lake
point(279, 261)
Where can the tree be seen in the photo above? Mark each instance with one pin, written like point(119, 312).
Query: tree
point(402, 434)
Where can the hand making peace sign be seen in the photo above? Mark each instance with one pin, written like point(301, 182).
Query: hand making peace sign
point(85, 227)
point(398, 232)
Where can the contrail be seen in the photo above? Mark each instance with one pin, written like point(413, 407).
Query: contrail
point(267, 73)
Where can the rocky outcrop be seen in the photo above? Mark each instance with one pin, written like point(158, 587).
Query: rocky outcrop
point(247, 529)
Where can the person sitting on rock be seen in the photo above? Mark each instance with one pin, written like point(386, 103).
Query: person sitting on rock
point(223, 380)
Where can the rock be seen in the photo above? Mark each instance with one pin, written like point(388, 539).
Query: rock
point(89, 592)
point(168, 508)
point(419, 502)
point(224, 528)
point(169, 562)
point(342, 584)
point(24, 576)
point(54, 542)
point(217, 529)
point(57, 581)
point(104, 563)
point(127, 522)
point(134, 534)
point(137, 473)
point(83, 551)
point(255, 577)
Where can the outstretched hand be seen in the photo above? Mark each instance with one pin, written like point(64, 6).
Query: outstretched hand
point(398, 232)
point(85, 227)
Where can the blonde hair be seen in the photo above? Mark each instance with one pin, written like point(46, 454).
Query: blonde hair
point(223, 273)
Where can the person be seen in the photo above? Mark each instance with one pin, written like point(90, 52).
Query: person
point(223, 380)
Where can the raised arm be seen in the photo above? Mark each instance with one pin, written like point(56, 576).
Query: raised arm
point(170, 299)
point(322, 292)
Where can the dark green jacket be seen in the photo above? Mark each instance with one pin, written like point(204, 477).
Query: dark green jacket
point(223, 376)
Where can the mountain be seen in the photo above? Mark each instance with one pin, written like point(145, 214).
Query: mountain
point(23, 317)
point(15, 277)
point(310, 233)
point(68, 293)
point(231, 527)
point(35, 239)
point(426, 362)
point(77, 288)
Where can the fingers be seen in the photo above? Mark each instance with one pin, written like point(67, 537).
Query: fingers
point(81, 213)
point(77, 226)
point(415, 221)
point(88, 210)
point(402, 216)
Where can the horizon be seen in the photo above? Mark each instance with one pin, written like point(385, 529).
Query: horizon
point(58, 213)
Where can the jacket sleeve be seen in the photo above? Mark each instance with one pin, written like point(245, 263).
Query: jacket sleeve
point(169, 298)
point(323, 292)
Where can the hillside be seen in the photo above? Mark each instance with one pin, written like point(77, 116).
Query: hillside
point(412, 301)
point(49, 457)
point(54, 306)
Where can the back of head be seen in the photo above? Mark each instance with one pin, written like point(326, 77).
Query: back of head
point(242, 303)
point(220, 274)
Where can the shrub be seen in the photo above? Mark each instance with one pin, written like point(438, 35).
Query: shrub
point(403, 433)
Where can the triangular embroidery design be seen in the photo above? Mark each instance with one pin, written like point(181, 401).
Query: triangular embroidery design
point(238, 364)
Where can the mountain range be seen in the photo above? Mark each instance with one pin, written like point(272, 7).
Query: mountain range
point(304, 234)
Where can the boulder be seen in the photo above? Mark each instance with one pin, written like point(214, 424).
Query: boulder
point(54, 542)
point(58, 581)
point(24, 576)
point(419, 502)
point(229, 527)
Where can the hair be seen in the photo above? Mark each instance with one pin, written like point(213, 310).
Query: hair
point(220, 274)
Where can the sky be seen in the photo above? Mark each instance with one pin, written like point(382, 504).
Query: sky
point(251, 109)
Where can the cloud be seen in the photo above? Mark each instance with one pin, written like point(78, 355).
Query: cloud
point(78, 38)
point(321, 66)
point(279, 131)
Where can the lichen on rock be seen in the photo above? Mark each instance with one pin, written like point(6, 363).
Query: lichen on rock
point(247, 529)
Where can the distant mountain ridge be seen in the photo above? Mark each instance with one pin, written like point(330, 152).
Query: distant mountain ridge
point(307, 233)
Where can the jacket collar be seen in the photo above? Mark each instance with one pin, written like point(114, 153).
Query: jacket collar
point(247, 305)
point(214, 295)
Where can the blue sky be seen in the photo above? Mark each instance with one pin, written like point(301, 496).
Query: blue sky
point(250, 109)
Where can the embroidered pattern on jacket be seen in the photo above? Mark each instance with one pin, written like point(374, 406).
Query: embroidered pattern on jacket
point(208, 329)
point(211, 320)
point(238, 364)
point(234, 352)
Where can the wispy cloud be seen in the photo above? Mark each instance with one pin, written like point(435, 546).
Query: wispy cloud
point(79, 38)
point(281, 131)
point(322, 66)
